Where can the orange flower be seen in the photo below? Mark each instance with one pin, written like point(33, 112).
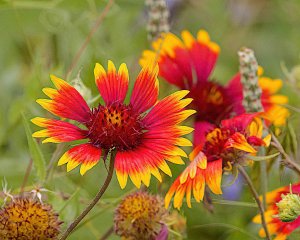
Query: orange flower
point(275, 225)
point(222, 148)
point(145, 132)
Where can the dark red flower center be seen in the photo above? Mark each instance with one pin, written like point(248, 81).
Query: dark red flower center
point(116, 125)
point(214, 148)
point(211, 102)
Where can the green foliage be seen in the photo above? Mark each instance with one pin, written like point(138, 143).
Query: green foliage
point(35, 152)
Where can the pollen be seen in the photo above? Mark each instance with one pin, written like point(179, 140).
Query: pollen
point(140, 216)
point(116, 125)
point(25, 218)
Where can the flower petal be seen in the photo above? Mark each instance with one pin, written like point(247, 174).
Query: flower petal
point(238, 141)
point(57, 131)
point(145, 90)
point(138, 164)
point(213, 176)
point(168, 112)
point(85, 154)
point(112, 85)
point(66, 102)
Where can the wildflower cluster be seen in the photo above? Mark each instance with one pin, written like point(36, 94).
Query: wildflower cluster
point(144, 133)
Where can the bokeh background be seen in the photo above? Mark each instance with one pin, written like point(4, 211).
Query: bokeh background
point(43, 37)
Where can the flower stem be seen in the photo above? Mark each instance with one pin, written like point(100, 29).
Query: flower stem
point(256, 197)
point(287, 160)
point(95, 200)
point(107, 233)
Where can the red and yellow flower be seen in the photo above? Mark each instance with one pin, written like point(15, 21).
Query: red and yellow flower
point(188, 64)
point(222, 148)
point(275, 225)
point(145, 132)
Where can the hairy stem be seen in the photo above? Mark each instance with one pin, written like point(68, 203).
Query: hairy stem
point(256, 197)
point(94, 201)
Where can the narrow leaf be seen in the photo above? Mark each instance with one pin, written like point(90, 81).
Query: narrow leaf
point(263, 158)
point(35, 152)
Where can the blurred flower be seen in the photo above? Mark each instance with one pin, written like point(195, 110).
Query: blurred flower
point(25, 218)
point(141, 216)
point(277, 202)
point(145, 132)
point(223, 147)
point(188, 64)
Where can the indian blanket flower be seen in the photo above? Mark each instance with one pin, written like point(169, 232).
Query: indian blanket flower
point(145, 132)
point(222, 148)
point(140, 216)
point(25, 218)
point(188, 64)
point(276, 224)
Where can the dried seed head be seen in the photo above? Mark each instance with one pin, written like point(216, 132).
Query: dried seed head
point(27, 219)
point(249, 78)
point(140, 216)
point(158, 18)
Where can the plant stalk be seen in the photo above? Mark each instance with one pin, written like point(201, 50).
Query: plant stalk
point(256, 197)
point(94, 201)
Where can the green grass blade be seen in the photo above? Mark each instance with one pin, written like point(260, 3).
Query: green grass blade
point(35, 152)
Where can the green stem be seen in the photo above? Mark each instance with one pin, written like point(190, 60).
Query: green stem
point(94, 201)
point(107, 233)
point(263, 177)
point(256, 197)
point(287, 160)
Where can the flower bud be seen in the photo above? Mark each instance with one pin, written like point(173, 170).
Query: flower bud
point(288, 207)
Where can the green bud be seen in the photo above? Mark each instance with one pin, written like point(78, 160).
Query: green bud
point(288, 207)
point(81, 88)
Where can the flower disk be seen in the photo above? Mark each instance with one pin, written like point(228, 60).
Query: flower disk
point(116, 125)
point(27, 219)
point(140, 216)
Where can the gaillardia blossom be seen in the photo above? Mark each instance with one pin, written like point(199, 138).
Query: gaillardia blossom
point(145, 132)
point(222, 148)
point(188, 64)
point(275, 225)
point(25, 218)
point(140, 216)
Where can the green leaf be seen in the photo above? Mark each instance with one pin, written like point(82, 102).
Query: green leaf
point(234, 203)
point(69, 200)
point(293, 137)
point(262, 158)
point(35, 152)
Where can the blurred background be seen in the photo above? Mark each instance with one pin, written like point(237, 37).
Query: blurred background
point(39, 38)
